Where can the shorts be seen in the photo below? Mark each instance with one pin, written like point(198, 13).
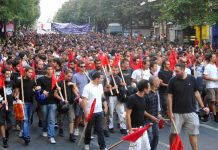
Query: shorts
point(71, 113)
point(141, 144)
point(6, 118)
point(188, 122)
point(212, 94)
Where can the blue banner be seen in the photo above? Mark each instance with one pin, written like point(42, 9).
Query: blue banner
point(69, 28)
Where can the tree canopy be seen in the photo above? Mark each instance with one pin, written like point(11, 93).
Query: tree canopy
point(24, 12)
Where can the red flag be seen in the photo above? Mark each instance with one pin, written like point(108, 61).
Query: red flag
point(3, 64)
point(61, 77)
point(34, 73)
point(139, 37)
point(53, 81)
point(172, 59)
point(91, 111)
point(100, 55)
point(104, 60)
point(116, 60)
point(70, 57)
point(176, 143)
point(136, 134)
point(21, 69)
point(2, 81)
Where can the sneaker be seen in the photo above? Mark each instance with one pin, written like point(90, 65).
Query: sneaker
point(106, 134)
point(26, 140)
point(111, 130)
point(104, 149)
point(52, 140)
point(61, 132)
point(72, 138)
point(123, 131)
point(92, 137)
point(86, 147)
point(76, 132)
point(5, 143)
point(21, 134)
point(56, 125)
point(44, 134)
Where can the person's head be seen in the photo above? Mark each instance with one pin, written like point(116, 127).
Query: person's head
point(49, 70)
point(212, 58)
point(16, 65)
point(28, 72)
point(7, 73)
point(154, 81)
point(40, 65)
point(198, 59)
point(115, 70)
point(23, 56)
point(97, 77)
point(165, 65)
point(72, 64)
point(97, 64)
point(145, 64)
point(82, 67)
point(143, 86)
point(184, 61)
point(125, 64)
point(180, 70)
point(68, 75)
point(153, 66)
point(57, 63)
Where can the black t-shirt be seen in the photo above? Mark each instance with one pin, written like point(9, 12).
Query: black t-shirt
point(45, 84)
point(70, 94)
point(118, 81)
point(9, 86)
point(40, 73)
point(165, 76)
point(183, 94)
point(127, 76)
point(15, 76)
point(28, 86)
point(137, 104)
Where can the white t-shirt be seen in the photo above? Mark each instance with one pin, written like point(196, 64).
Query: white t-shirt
point(187, 71)
point(141, 74)
point(91, 92)
point(211, 72)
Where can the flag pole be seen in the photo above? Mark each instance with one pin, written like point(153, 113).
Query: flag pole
point(60, 92)
point(107, 79)
point(174, 125)
point(115, 144)
point(113, 78)
point(122, 75)
point(83, 133)
point(5, 96)
point(65, 91)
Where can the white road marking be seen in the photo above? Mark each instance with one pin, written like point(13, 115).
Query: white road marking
point(209, 127)
point(164, 144)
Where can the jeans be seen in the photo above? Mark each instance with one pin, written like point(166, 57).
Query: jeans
point(153, 135)
point(163, 101)
point(48, 119)
point(28, 109)
point(98, 120)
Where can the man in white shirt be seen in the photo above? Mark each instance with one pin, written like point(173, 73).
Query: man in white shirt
point(143, 73)
point(94, 90)
point(211, 77)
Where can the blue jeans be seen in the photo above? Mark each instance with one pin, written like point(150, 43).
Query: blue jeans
point(28, 109)
point(48, 119)
point(153, 135)
point(98, 121)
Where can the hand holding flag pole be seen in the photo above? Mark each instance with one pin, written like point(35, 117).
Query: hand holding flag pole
point(89, 118)
point(122, 75)
point(113, 78)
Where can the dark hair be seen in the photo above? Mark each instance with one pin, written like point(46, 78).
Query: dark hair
point(27, 68)
point(181, 66)
point(152, 64)
point(48, 66)
point(15, 63)
point(58, 61)
point(22, 54)
point(142, 84)
point(5, 70)
point(164, 64)
point(96, 75)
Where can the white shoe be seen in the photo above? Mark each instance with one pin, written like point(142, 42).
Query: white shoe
point(76, 132)
point(44, 134)
point(86, 147)
point(92, 137)
point(21, 133)
point(52, 140)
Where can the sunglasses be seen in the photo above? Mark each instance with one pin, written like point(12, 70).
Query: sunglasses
point(82, 66)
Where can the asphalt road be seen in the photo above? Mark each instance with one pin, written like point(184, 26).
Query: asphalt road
point(208, 140)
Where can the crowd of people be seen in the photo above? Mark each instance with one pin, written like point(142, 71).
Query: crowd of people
point(141, 81)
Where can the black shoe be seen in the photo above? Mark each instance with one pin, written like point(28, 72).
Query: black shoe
point(26, 140)
point(72, 138)
point(40, 123)
point(205, 118)
point(56, 125)
point(123, 131)
point(61, 132)
point(111, 130)
point(106, 134)
point(5, 142)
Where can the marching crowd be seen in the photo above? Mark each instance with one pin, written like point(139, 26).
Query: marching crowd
point(141, 81)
